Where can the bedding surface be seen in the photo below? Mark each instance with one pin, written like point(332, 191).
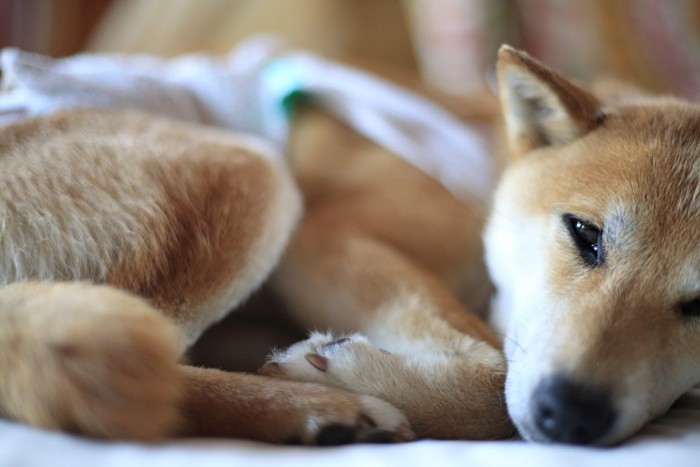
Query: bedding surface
point(672, 440)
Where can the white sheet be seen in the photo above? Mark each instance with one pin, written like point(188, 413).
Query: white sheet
point(673, 440)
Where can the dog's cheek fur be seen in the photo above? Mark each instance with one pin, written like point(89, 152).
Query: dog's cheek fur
point(521, 308)
point(615, 326)
point(533, 266)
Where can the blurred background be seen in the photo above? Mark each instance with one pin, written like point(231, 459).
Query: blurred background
point(451, 43)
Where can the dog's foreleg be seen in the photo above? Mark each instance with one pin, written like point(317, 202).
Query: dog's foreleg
point(425, 354)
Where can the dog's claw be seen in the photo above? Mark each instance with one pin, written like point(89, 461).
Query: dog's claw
point(404, 433)
point(336, 435)
point(317, 361)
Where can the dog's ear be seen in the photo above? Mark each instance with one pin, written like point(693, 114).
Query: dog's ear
point(541, 108)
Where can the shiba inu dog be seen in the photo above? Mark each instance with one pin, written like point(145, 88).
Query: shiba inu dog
point(125, 235)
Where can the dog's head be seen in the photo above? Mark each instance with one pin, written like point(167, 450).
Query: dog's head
point(594, 247)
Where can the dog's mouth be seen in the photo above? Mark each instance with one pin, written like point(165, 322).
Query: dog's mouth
point(567, 411)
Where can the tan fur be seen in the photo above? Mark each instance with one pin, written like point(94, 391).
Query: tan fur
point(87, 359)
point(542, 115)
point(189, 218)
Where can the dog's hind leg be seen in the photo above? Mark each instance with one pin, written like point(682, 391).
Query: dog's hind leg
point(97, 361)
point(425, 354)
point(190, 219)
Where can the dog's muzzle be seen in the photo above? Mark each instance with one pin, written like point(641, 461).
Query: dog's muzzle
point(567, 411)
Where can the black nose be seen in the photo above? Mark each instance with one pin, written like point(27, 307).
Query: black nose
point(570, 412)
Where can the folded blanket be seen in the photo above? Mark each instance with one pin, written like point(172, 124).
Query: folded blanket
point(247, 91)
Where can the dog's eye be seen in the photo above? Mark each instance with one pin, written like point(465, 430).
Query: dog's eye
point(588, 239)
point(691, 309)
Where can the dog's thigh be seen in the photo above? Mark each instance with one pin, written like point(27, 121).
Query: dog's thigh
point(227, 208)
point(442, 366)
point(87, 359)
point(191, 218)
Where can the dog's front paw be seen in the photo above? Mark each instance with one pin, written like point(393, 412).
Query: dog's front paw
point(336, 361)
point(341, 362)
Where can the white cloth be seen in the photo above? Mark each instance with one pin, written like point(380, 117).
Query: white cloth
point(245, 91)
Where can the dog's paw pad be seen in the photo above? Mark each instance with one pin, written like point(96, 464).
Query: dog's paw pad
point(334, 435)
point(317, 361)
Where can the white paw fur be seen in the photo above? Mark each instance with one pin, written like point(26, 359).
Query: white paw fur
point(323, 358)
point(334, 361)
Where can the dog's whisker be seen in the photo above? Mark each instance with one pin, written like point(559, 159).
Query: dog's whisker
point(505, 336)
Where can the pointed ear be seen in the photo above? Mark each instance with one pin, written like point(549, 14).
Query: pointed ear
point(541, 108)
